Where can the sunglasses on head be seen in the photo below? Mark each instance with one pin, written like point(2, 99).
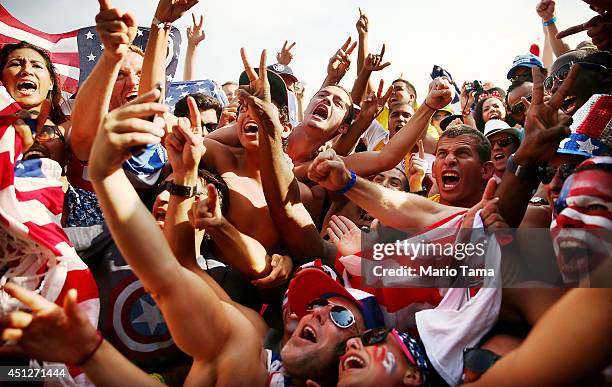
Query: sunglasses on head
point(564, 70)
point(564, 170)
point(478, 359)
point(503, 141)
point(340, 315)
point(376, 336)
point(519, 107)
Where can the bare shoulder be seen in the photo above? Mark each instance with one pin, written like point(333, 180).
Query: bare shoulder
point(219, 156)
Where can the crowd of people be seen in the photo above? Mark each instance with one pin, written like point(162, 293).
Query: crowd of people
point(231, 241)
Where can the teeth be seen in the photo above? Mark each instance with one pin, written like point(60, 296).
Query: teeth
point(353, 362)
point(450, 174)
point(309, 334)
point(26, 85)
point(499, 157)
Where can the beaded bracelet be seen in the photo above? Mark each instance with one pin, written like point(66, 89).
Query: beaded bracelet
point(348, 185)
point(549, 22)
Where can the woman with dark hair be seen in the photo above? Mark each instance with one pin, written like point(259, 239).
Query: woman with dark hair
point(489, 105)
point(30, 79)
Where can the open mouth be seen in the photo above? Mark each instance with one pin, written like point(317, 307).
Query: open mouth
point(499, 156)
point(26, 87)
point(569, 104)
point(160, 214)
point(352, 362)
point(573, 255)
point(36, 152)
point(495, 116)
point(250, 128)
point(320, 112)
point(450, 180)
point(131, 96)
point(309, 334)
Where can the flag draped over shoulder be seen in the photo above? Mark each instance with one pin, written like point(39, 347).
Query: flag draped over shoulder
point(178, 90)
point(34, 250)
point(75, 53)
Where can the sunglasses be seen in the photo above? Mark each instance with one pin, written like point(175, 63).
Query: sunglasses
point(502, 142)
point(376, 336)
point(478, 359)
point(45, 133)
point(519, 108)
point(339, 315)
point(564, 70)
point(564, 170)
point(211, 126)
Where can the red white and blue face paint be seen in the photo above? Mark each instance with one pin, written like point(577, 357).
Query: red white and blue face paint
point(384, 357)
point(582, 226)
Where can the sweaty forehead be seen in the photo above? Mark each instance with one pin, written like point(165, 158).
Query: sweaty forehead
point(336, 91)
point(462, 141)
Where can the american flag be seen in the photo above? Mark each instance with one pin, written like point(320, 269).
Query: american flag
point(36, 252)
point(438, 71)
point(178, 90)
point(75, 53)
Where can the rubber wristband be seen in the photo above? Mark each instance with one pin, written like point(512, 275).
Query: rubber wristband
point(348, 185)
point(160, 24)
point(549, 22)
point(90, 354)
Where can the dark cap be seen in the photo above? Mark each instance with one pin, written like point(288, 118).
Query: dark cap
point(278, 89)
point(281, 69)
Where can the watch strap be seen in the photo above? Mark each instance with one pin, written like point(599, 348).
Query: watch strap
point(182, 190)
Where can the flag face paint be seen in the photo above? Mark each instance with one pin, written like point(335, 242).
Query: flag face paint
point(382, 356)
point(582, 228)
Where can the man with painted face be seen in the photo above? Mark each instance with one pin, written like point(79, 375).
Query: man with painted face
point(383, 357)
point(582, 224)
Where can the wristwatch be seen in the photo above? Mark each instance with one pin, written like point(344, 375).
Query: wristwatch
point(182, 190)
point(527, 173)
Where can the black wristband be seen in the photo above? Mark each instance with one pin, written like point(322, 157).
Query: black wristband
point(527, 173)
point(182, 190)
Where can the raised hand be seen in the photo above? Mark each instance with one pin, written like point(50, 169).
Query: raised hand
point(329, 171)
point(545, 127)
point(373, 62)
point(123, 128)
point(599, 28)
point(282, 265)
point(546, 9)
point(115, 28)
point(373, 104)
point(184, 143)
point(257, 96)
point(441, 93)
point(417, 168)
point(195, 32)
point(340, 63)
point(284, 56)
point(170, 10)
point(466, 99)
point(229, 114)
point(49, 332)
point(345, 235)
point(490, 215)
point(206, 210)
point(362, 24)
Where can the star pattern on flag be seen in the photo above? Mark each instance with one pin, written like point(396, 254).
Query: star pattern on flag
point(169, 78)
point(91, 57)
point(89, 35)
point(139, 32)
point(564, 142)
point(587, 146)
point(150, 316)
point(101, 47)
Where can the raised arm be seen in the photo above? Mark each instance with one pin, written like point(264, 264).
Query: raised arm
point(393, 208)
point(371, 107)
point(544, 129)
point(56, 334)
point(373, 62)
point(195, 35)
point(339, 63)
point(546, 10)
point(116, 29)
point(280, 186)
point(372, 162)
point(190, 307)
point(154, 63)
